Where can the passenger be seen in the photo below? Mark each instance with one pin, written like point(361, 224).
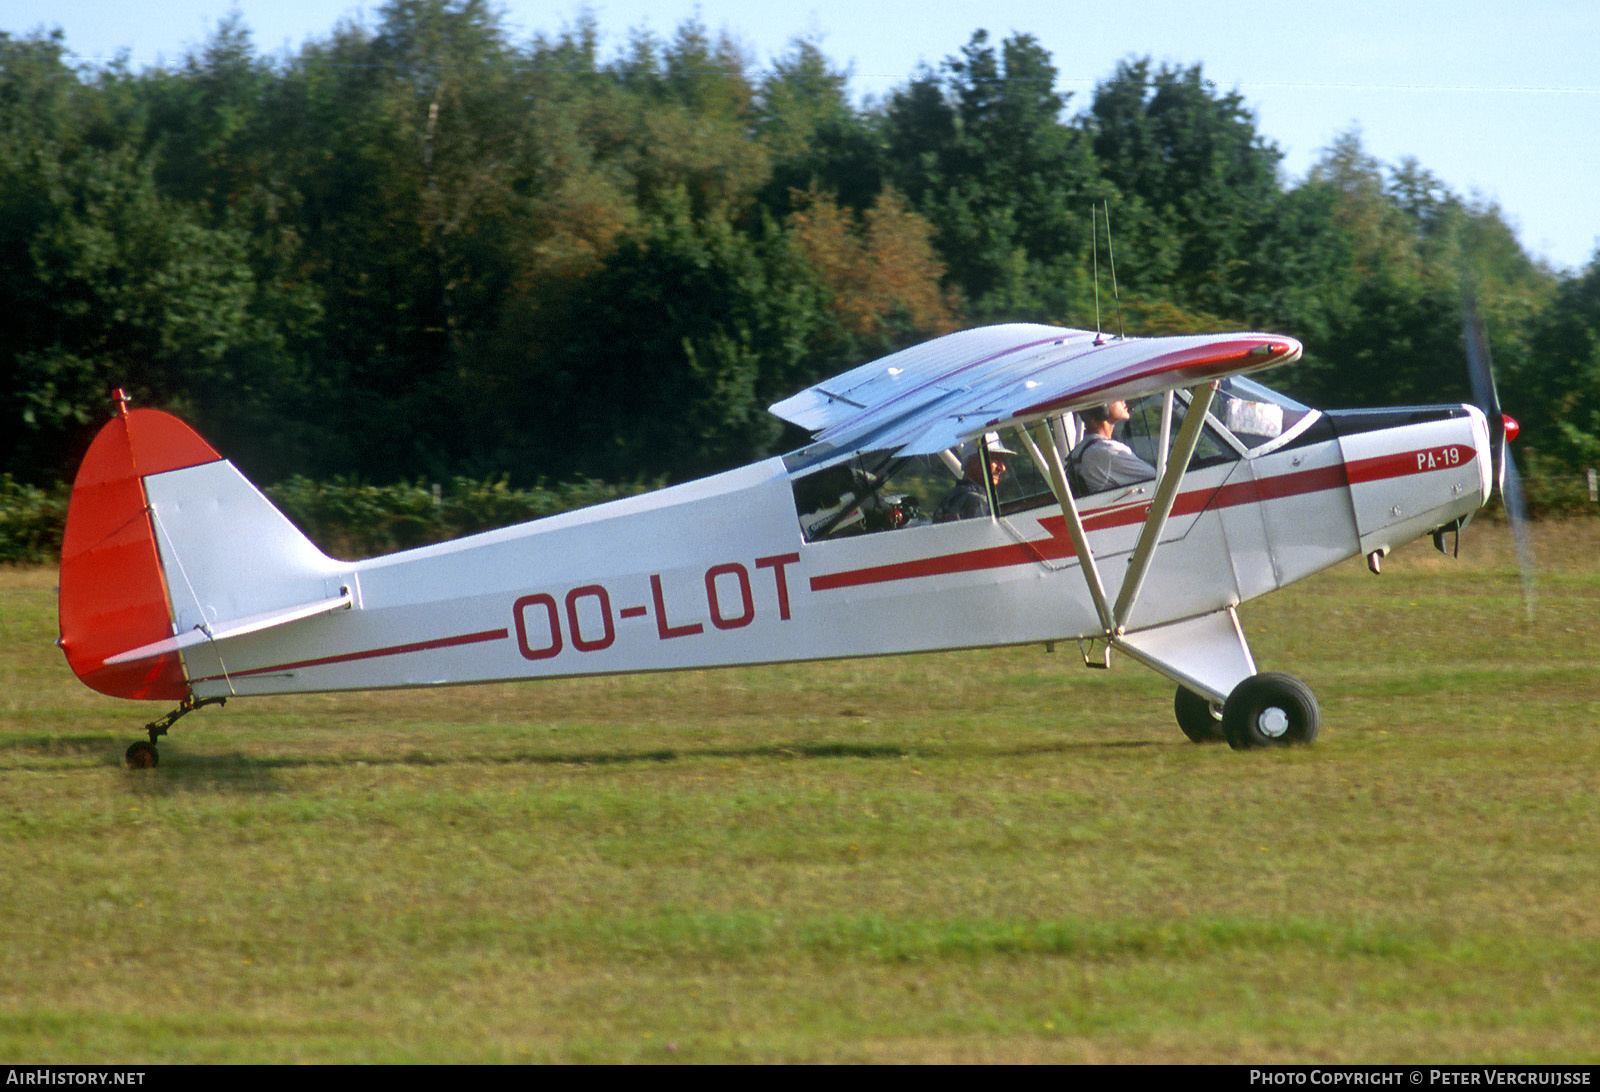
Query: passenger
point(1099, 462)
point(969, 498)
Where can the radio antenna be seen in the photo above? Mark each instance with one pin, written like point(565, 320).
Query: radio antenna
point(1111, 253)
point(1094, 251)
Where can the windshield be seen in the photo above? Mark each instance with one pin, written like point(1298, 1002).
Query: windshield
point(1255, 414)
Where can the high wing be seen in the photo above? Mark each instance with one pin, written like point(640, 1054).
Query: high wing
point(933, 396)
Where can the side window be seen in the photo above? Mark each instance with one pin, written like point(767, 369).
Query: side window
point(881, 491)
point(870, 493)
point(1025, 484)
point(1143, 429)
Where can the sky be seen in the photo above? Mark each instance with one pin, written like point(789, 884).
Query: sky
point(1500, 101)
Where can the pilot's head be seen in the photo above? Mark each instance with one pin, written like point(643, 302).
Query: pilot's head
point(1095, 418)
point(973, 468)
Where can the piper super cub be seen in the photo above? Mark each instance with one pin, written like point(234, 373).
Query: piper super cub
point(181, 582)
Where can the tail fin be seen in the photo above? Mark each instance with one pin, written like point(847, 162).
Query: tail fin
point(164, 537)
point(113, 589)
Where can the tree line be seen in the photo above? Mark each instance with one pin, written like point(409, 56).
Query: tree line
point(419, 249)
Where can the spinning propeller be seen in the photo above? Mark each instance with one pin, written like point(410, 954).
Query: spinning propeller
point(1502, 430)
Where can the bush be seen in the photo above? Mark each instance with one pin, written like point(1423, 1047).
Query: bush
point(1557, 496)
point(348, 519)
point(31, 521)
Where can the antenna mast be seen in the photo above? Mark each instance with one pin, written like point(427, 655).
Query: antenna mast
point(1111, 253)
point(1094, 251)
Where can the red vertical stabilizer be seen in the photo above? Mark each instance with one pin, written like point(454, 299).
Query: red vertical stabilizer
point(113, 590)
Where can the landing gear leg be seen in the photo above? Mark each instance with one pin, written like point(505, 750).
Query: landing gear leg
point(144, 756)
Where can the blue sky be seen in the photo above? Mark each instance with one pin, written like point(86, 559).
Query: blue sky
point(1500, 101)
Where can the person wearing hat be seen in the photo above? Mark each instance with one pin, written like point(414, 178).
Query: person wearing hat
point(969, 498)
point(1099, 462)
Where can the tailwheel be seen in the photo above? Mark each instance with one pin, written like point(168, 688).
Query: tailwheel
point(141, 756)
point(1198, 716)
point(1270, 710)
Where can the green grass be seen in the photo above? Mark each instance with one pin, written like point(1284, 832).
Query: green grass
point(991, 856)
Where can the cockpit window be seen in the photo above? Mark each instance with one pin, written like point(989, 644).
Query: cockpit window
point(1142, 432)
point(1026, 483)
point(875, 491)
point(883, 491)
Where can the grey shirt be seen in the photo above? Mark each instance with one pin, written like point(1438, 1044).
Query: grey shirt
point(1103, 464)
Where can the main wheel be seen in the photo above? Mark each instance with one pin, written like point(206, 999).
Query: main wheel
point(141, 756)
point(1270, 710)
point(1198, 716)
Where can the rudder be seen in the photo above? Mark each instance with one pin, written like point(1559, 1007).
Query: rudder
point(168, 551)
point(113, 588)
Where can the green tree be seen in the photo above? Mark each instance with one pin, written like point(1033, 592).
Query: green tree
point(675, 349)
point(1197, 181)
point(816, 140)
point(1557, 398)
point(207, 131)
point(1370, 264)
point(114, 282)
point(406, 151)
point(981, 150)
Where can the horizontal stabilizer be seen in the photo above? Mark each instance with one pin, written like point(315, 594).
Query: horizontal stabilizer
point(342, 601)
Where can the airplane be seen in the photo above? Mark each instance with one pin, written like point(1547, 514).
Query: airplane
point(181, 582)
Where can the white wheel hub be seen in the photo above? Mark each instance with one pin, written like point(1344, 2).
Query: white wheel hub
point(1273, 722)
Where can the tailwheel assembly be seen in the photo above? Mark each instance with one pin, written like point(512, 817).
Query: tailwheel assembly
point(141, 756)
point(144, 756)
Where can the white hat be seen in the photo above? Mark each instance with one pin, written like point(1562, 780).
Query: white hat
point(991, 440)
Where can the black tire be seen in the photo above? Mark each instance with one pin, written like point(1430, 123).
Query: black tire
point(1270, 710)
point(141, 756)
point(1198, 716)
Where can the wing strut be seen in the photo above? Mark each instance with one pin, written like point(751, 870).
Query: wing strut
point(1036, 436)
point(1161, 507)
point(1214, 643)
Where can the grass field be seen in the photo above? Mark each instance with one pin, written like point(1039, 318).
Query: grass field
point(992, 856)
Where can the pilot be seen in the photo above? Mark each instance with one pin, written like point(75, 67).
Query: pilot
point(969, 498)
point(1099, 462)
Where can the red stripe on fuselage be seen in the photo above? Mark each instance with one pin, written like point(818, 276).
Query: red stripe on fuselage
point(1421, 461)
point(373, 653)
point(1059, 545)
point(994, 557)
